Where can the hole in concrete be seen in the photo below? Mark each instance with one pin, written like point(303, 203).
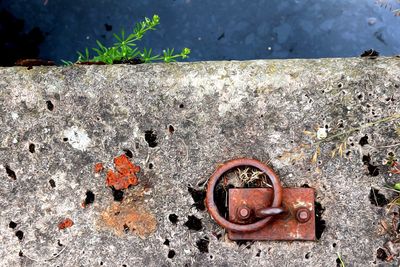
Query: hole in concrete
point(19, 234)
point(12, 225)
point(171, 254)
point(89, 198)
point(364, 140)
point(305, 186)
point(171, 129)
point(198, 198)
point(373, 170)
point(217, 235)
point(181, 106)
point(50, 105)
point(202, 244)
point(32, 148)
point(10, 172)
point(173, 218)
point(193, 223)
point(150, 165)
point(340, 85)
point(108, 27)
point(117, 194)
point(377, 198)
point(308, 255)
point(258, 253)
point(20, 253)
point(59, 243)
point(128, 153)
point(211, 257)
point(381, 254)
point(360, 96)
point(126, 228)
point(52, 183)
point(320, 224)
point(201, 183)
point(101, 263)
point(338, 263)
point(65, 139)
point(166, 242)
point(220, 198)
point(348, 153)
point(151, 138)
point(334, 245)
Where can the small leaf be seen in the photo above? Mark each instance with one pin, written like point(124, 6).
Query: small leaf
point(396, 186)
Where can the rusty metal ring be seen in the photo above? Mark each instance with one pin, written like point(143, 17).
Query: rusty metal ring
point(212, 207)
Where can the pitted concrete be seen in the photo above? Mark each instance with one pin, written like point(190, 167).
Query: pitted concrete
point(178, 122)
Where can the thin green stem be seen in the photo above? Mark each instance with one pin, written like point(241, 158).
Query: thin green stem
point(341, 261)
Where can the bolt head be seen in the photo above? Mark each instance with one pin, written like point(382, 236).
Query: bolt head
point(244, 212)
point(303, 215)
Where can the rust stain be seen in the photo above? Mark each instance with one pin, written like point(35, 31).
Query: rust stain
point(66, 223)
point(130, 216)
point(98, 167)
point(125, 174)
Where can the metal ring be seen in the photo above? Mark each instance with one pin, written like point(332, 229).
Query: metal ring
point(212, 207)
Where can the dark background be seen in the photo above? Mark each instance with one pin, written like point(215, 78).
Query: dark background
point(214, 30)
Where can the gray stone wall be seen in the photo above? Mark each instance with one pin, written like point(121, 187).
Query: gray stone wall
point(178, 122)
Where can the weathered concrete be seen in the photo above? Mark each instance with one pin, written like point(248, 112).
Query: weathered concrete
point(218, 111)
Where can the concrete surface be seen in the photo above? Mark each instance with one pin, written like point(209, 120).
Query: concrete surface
point(178, 122)
point(219, 30)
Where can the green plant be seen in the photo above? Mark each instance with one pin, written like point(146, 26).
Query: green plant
point(125, 49)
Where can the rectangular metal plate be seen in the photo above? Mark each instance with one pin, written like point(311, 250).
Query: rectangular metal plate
point(282, 227)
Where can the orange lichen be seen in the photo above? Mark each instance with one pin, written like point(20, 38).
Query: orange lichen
point(98, 167)
point(66, 223)
point(130, 216)
point(125, 174)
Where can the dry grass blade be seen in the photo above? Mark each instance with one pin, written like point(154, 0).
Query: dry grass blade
point(316, 154)
point(250, 175)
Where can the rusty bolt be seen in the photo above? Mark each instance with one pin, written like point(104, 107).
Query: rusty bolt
point(244, 212)
point(303, 215)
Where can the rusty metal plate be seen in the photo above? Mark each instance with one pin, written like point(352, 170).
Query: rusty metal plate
point(287, 226)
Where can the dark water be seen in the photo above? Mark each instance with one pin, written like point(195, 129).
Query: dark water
point(218, 30)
